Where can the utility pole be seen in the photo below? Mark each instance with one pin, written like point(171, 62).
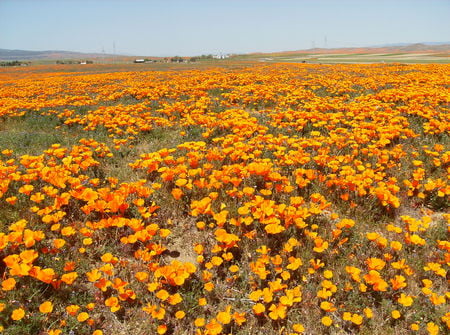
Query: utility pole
point(114, 51)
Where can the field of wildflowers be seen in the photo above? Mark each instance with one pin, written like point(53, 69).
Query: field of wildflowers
point(266, 199)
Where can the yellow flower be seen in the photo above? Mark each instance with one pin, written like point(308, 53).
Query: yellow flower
point(18, 314)
point(162, 294)
point(209, 286)
point(405, 300)
point(357, 319)
point(432, 328)
point(326, 321)
point(258, 308)
point(277, 312)
point(180, 314)
point(162, 329)
point(175, 299)
point(347, 316)
point(396, 245)
point(141, 276)
point(8, 284)
point(46, 307)
point(83, 316)
point(396, 314)
point(328, 274)
point(414, 327)
point(199, 322)
point(297, 327)
point(368, 313)
point(224, 317)
point(327, 306)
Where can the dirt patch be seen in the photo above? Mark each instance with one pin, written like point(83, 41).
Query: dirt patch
point(183, 238)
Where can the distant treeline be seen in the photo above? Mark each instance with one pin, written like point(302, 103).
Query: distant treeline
point(202, 57)
point(178, 59)
point(14, 63)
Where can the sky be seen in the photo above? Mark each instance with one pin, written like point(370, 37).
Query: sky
point(195, 27)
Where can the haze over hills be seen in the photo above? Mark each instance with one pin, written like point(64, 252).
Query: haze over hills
point(10, 55)
point(427, 47)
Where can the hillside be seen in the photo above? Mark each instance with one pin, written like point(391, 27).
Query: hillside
point(411, 48)
point(7, 54)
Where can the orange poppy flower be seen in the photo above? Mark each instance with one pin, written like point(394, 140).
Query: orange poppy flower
point(8, 284)
point(18, 314)
point(46, 307)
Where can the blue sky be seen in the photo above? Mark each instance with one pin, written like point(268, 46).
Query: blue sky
point(172, 27)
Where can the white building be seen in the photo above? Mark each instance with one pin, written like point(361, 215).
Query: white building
point(221, 56)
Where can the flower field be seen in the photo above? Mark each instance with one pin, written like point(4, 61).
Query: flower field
point(257, 199)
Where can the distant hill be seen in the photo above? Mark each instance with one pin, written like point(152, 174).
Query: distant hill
point(9, 55)
point(426, 47)
point(406, 44)
point(401, 48)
